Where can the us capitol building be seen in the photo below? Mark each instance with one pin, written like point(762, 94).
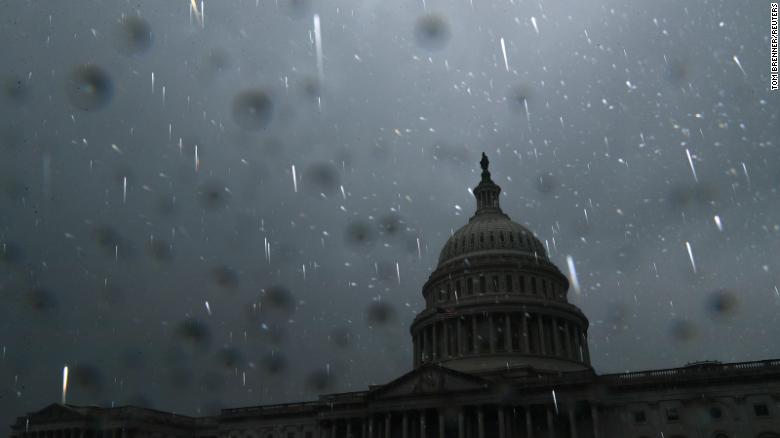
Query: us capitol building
point(499, 352)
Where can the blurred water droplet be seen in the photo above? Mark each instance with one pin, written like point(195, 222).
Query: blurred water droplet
point(133, 35)
point(252, 110)
point(380, 313)
point(89, 87)
point(432, 32)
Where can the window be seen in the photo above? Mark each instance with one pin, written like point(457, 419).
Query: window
point(672, 414)
point(716, 413)
point(509, 283)
point(308, 434)
point(522, 284)
point(482, 284)
point(533, 285)
point(495, 283)
point(761, 410)
point(640, 417)
point(470, 290)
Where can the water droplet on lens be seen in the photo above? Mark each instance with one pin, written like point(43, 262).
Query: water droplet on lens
point(360, 236)
point(432, 31)
point(252, 110)
point(319, 380)
point(134, 35)
point(723, 303)
point(194, 332)
point(546, 183)
point(89, 87)
point(225, 277)
point(379, 313)
point(86, 377)
point(683, 330)
point(321, 178)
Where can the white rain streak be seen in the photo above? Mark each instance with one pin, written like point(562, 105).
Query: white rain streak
point(398, 272)
point(295, 179)
point(690, 255)
point(744, 170)
point(503, 51)
point(318, 46)
point(555, 401)
point(197, 159)
point(718, 222)
point(533, 21)
point(64, 384)
point(124, 189)
point(739, 64)
point(208, 308)
point(693, 169)
point(575, 282)
point(152, 82)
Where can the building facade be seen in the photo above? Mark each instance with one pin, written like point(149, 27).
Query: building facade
point(499, 352)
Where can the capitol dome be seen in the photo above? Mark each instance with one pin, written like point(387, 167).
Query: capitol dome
point(495, 302)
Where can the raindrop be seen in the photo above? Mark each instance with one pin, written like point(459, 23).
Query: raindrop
point(230, 357)
point(391, 224)
point(722, 303)
point(274, 363)
point(16, 89)
point(683, 330)
point(517, 99)
point(41, 300)
point(379, 313)
point(10, 253)
point(360, 236)
point(319, 380)
point(225, 277)
point(546, 183)
point(341, 337)
point(213, 195)
point(194, 332)
point(159, 250)
point(89, 87)
point(86, 377)
point(252, 110)
point(321, 178)
point(432, 32)
point(134, 35)
point(278, 299)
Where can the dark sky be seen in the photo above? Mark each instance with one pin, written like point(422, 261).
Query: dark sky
point(113, 240)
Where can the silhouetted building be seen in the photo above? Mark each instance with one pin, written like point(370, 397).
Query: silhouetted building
point(499, 352)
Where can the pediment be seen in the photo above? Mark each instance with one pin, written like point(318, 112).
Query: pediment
point(430, 380)
point(57, 412)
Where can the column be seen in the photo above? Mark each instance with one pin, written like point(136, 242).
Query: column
point(542, 347)
point(594, 414)
point(461, 429)
point(524, 338)
point(458, 324)
point(422, 424)
point(371, 426)
point(416, 347)
point(492, 334)
point(508, 334)
point(556, 333)
point(480, 422)
point(387, 425)
point(349, 428)
point(441, 424)
point(474, 331)
point(529, 425)
point(550, 424)
point(570, 344)
point(501, 423)
point(404, 425)
point(572, 422)
point(333, 429)
point(445, 345)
